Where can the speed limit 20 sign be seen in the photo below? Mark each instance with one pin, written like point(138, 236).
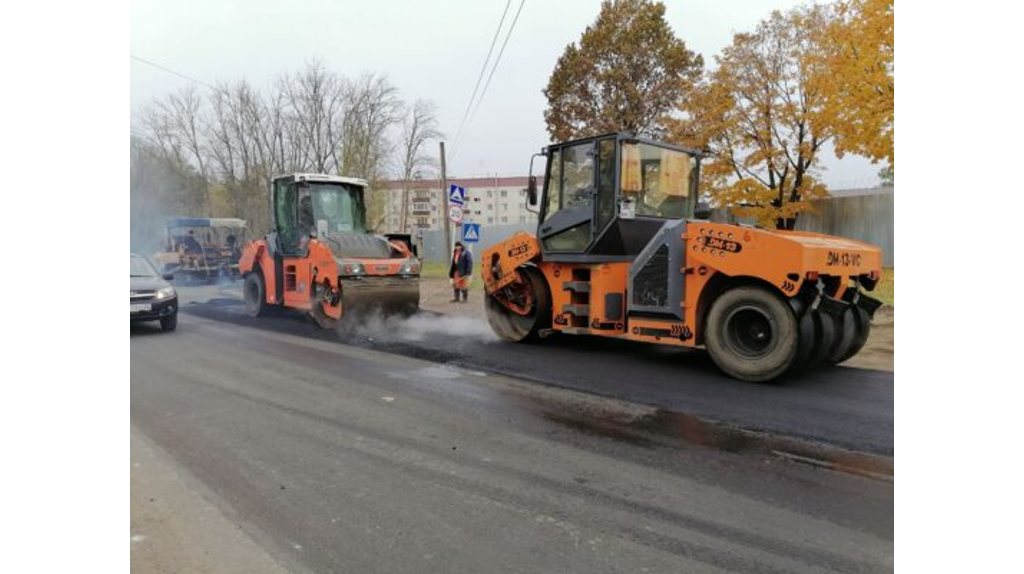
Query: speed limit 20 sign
point(455, 213)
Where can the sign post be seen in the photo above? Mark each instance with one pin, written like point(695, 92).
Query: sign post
point(456, 201)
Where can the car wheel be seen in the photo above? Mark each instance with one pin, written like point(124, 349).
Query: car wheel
point(169, 323)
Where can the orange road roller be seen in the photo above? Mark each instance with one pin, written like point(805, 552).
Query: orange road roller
point(619, 253)
point(320, 258)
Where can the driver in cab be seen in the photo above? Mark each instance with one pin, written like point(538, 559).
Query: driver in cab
point(307, 223)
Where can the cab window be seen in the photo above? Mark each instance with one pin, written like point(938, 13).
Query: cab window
point(570, 179)
point(554, 191)
point(657, 179)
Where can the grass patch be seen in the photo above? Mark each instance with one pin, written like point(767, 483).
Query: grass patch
point(884, 290)
point(434, 269)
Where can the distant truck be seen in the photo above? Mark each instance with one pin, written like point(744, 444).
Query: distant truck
point(202, 248)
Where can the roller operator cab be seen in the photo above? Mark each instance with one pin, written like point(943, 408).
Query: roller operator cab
point(319, 256)
point(618, 253)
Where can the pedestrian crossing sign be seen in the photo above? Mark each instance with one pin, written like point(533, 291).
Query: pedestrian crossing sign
point(457, 195)
point(470, 232)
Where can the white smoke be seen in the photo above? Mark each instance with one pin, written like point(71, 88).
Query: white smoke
point(425, 325)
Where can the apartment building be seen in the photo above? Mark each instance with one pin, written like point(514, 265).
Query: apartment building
point(489, 201)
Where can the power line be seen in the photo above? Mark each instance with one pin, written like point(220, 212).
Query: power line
point(179, 74)
point(497, 61)
point(483, 69)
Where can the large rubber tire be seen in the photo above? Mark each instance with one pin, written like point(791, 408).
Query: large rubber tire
point(517, 328)
point(807, 324)
point(255, 293)
point(169, 323)
point(846, 333)
point(752, 334)
point(824, 339)
point(862, 322)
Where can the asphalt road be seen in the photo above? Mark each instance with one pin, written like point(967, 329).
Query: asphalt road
point(847, 407)
point(337, 458)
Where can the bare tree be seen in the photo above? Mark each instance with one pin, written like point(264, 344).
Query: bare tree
point(316, 106)
point(418, 128)
point(374, 109)
point(167, 137)
point(220, 148)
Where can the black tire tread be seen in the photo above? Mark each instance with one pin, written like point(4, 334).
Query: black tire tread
point(255, 307)
point(785, 327)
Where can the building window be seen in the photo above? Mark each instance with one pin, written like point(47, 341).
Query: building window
point(504, 193)
point(490, 220)
point(504, 219)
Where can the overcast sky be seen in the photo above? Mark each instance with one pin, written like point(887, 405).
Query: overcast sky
point(429, 49)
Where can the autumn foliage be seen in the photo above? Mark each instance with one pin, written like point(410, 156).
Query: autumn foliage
point(778, 95)
point(753, 116)
point(628, 70)
point(853, 68)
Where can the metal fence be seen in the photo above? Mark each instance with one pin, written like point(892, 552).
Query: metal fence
point(867, 218)
point(433, 246)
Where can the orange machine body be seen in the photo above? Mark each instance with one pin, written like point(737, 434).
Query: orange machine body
point(302, 277)
point(592, 298)
point(622, 250)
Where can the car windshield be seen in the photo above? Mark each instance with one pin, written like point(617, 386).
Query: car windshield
point(141, 267)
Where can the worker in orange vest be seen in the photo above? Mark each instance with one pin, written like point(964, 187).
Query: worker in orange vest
point(460, 271)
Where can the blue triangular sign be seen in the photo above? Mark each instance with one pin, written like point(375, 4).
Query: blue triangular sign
point(457, 194)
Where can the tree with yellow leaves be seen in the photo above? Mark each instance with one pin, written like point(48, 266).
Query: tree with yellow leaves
point(753, 116)
point(853, 69)
point(627, 72)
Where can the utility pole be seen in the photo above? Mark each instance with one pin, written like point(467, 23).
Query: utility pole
point(444, 203)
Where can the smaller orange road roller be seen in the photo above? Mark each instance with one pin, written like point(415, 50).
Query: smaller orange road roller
point(618, 253)
point(320, 258)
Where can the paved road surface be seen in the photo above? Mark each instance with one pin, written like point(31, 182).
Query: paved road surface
point(847, 407)
point(334, 458)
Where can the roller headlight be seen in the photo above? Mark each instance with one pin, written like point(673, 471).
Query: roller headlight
point(353, 269)
point(165, 293)
point(410, 268)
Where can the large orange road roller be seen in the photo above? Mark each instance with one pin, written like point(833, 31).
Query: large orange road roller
point(320, 258)
point(618, 253)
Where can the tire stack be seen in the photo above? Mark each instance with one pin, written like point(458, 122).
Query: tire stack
point(755, 335)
